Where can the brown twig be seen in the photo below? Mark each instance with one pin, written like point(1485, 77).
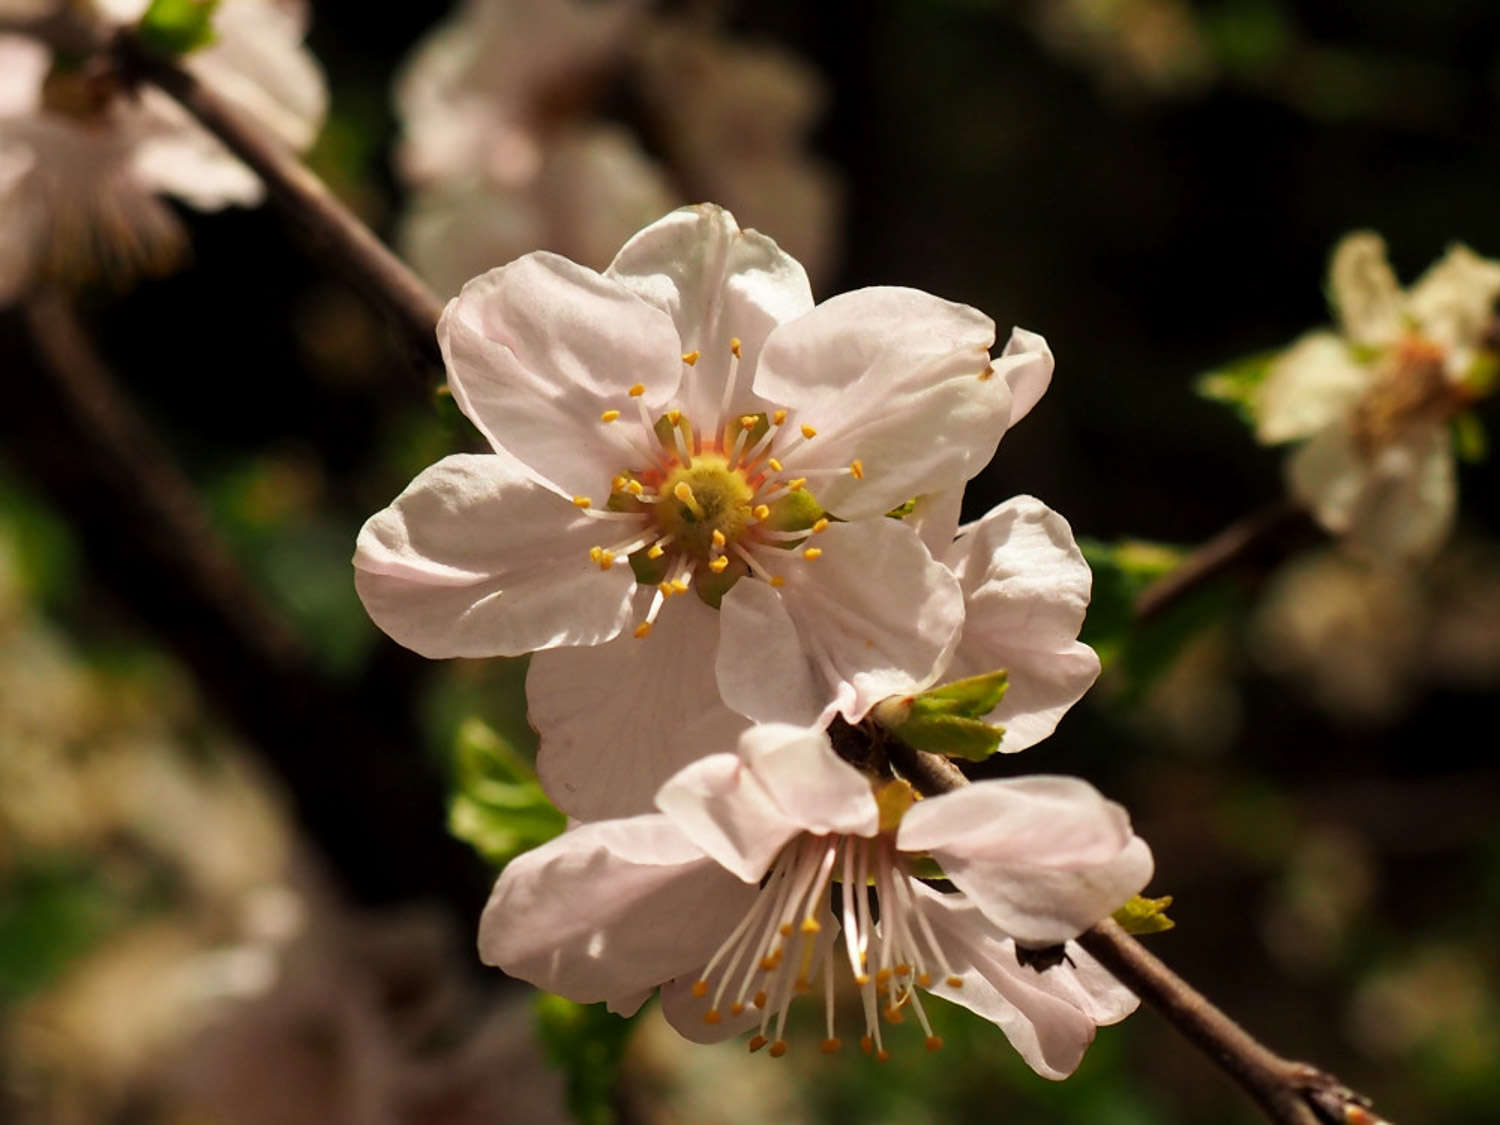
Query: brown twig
point(1290, 1093)
point(331, 228)
point(1238, 542)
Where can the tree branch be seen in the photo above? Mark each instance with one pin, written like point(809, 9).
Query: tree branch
point(331, 228)
point(1290, 1093)
point(1237, 543)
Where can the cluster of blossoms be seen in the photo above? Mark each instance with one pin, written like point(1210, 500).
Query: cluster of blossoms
point(505, 148)
point(1374, 401)
point(722, 517)
point(85, 154)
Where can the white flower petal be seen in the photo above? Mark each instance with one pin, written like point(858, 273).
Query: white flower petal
point(717, 282)
point(763, 671)
point(1411, 498)
point(875, 616)
point(1365, 292)
point(616, 720)
point(1329, 476)
point(1049, 1031)
point(1026, 588)
point(1026, 366)
point(1044, 858)
point(1312, 385)
point(897, 379)
point(812, 785)
point(474, 559)
point(537, 350)
point(610, 909)
point(720, 804)
point(935, 518)
point(24, 63)
point(1454, 301)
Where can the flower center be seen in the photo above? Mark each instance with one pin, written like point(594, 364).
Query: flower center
point(1411, 388)
point(785, 941)
point(702, 506)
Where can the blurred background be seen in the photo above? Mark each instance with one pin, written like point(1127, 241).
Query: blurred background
point(244, 838)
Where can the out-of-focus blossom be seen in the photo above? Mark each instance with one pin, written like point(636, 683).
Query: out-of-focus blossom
point(690, 422)
point(1026, 589)
point(83, 159)
point(1373, 401)
point(724, 900)
point(594, 188)
point(1133, 46)
point(734, 121)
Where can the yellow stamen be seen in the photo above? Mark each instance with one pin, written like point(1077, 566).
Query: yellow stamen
point(866, 1044)
point(736, 1008)
point(606, 559)
point(955, 982)
point(684, 493)
point(760, 1000)
point(802, 986)
point(619, 483)
point(679, 586)
point(775, 464)
point(757, 1042)
point(690, 358)
point(831, 1046)
point(894, 1014)
point(903, 970)
point(882, 1056)
point(718, 538)
point(796, 483)
point(778, 1048)
point(610, 416)
point(712, 1016)
point(821, 525)
point(777, 581)
point(700, 988)
point(666, 588)
point(809, 432)
point(643, 630)
point(673, 417)
point(596, 553)
point(779, 417)
point(785, 929)
point(924, 979)
point(581, 501)
point(638, 390)
point(934, 1042)
point(734, 345)
point(747, 421)
point(883, 978)
point(635, 487)
point(812, 553)
point(811, 926)
point(761, 511)
point(655, 551)
point(857, 467)
point(719, 565)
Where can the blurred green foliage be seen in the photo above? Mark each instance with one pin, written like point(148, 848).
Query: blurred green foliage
point(587, 1042)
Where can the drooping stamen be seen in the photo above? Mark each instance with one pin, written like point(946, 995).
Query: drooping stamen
point(729, 382)
point(643, 630)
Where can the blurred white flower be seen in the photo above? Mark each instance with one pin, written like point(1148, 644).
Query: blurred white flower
point(83, 159)
point(1373, 401)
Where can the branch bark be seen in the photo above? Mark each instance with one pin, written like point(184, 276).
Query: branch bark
point(1290, 1093)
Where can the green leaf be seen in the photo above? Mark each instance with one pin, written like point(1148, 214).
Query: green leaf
point(499, 808)
point(1238, 384)
point(972, 698)
point(953, 735)
point(948, 719)
point(587, 1042)
point(1470, 442)
point(1143, 915)
point(175, 27)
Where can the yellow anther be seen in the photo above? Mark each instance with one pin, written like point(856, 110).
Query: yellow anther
point(811, 926)
point(610, 416)
point(700, 988)
point(857, 467)
point(619, 483)
point(812, 553)
point(778, 581)
point(802, 985)
point(882, 1056)
point(821, 525)
point(779, 417)
point(768, 964)
point(638, 390)
point(718, 538)
point(831, 1046)
point(778, 1048)
point(684, 493)
point(924, 979)
point(934, 1042)
point(643, 630)
point(719, 565)
point(862, 979)
point(894, 1014)
point(736, 1008)
point(775, 464)
point(761, 511)
point(673, 417)
point(809, 432)
point(712, 1016)
point(635, 487)
point(747, 421)
point(866, 1044)
point(955, 982)
point(581, 501)
point(666, 588)
point(690, 358)
point(596, 553)
point(883, 977)
point(734, 345)
point(757, 1042)
point(785, 929)
point(795, 483)
point(679, 586)
point(655, 551)
point(606, 559)
point(760, 999)
point(903, 970)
